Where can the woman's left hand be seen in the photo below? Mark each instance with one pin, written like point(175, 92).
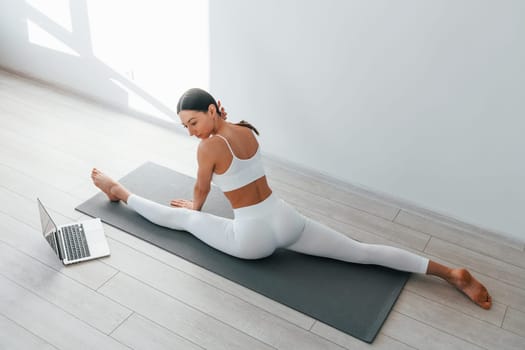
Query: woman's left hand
point(182, 203)
point(223, 111)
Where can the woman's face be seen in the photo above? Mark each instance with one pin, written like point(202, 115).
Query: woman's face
point(199, 124)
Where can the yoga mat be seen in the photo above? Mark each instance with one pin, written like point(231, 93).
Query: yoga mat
point(353, 298)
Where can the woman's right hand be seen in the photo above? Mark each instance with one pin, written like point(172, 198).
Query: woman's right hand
point(182, 203)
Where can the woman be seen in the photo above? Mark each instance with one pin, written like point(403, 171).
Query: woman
point(229, 156)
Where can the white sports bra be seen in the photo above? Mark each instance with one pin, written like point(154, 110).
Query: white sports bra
point(240, 172)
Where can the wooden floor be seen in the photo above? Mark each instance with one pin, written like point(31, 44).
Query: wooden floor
point(144, 298)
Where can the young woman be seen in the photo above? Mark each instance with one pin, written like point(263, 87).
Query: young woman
point(230, 157)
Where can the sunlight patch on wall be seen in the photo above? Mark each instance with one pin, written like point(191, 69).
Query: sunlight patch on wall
point(57, 11)
point(41, 37)
point(139, 103)
point(162, 47)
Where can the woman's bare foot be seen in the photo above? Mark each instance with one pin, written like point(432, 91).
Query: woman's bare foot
point(462, 280)
point(465, 282)
point(110, 187)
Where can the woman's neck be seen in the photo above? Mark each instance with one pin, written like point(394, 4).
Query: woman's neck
point(219, 126)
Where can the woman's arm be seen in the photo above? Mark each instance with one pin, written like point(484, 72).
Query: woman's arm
point(202, 187)
point(203, 183)
point(204, 174)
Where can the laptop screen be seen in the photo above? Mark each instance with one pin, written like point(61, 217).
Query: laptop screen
point(48, 227)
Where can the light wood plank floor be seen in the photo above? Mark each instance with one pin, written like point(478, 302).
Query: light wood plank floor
point(144, 298)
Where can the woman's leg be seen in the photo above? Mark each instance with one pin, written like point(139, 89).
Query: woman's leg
point(320, 240)
point(213, 230)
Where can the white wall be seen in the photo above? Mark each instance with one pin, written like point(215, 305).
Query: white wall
point(420, 100)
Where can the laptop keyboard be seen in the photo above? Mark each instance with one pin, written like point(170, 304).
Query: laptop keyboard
point(76, 243)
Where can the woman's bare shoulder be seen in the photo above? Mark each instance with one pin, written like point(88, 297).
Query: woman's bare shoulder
point(212, 146)
point(207, 144)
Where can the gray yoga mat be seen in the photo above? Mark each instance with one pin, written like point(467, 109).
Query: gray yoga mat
point(353, 298)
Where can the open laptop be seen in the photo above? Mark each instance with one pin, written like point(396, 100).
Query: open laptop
point(74, 242)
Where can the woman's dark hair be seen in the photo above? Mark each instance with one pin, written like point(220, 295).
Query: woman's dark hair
point(199, 100)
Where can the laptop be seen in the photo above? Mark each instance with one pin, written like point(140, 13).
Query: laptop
point(74, 242)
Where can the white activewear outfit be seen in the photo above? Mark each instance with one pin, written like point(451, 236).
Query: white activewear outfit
point(257, 230)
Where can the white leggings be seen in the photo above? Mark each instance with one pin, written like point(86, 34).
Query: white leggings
point(257, 230)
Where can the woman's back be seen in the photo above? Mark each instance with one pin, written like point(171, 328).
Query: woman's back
point(238, 169)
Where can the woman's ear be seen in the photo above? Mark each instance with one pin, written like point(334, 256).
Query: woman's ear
point(211, 109)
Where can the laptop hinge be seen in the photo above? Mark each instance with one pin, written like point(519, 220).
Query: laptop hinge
point(61, 253)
